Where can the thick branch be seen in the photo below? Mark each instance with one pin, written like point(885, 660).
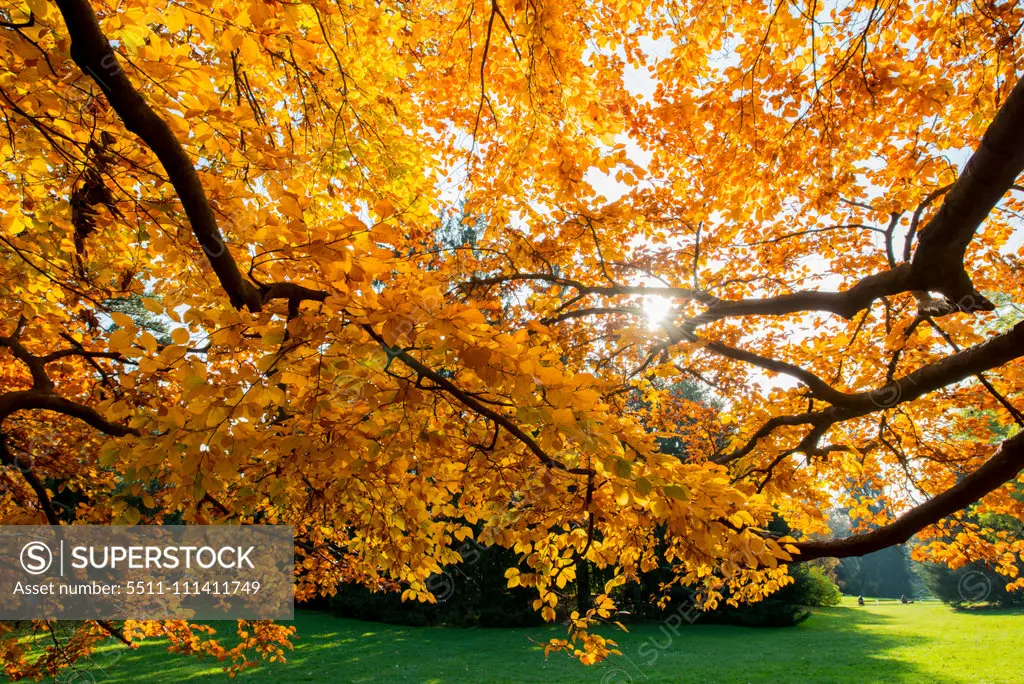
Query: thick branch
point(989, 174)
point(593, 311)
point(989, 387)
point(846, 303)
point(1007, 462)
point(908, 240)
point(14, 25)
point(819, 388)
point(36, 365)
point(952, 369)
point(292, 292)
point(25, 400)
point(64, 353)
point(92, 53)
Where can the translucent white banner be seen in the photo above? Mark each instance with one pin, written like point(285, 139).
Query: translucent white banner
point(202, 572)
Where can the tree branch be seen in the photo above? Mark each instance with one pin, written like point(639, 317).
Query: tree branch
point(14, 25)
point(989, 174)
point(818, 387)
point(1004, 465)
point(43, 496)
point(91, 51)
point(908, 240)
point(24, 400)
point(952, 369)
point(473, 404)
point(608, 291)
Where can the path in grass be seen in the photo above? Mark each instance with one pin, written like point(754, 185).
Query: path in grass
point(889, 642)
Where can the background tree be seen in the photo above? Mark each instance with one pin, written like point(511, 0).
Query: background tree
point(979, 578)
point(822, 192)
point(888, 573)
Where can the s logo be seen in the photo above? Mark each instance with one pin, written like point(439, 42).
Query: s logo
point(36, 558)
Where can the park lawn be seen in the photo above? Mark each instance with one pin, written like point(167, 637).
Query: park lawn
point(923, 642)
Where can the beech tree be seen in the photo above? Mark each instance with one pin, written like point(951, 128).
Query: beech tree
point(808, 207)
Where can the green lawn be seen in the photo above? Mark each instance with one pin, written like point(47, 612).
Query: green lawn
point(924, 642)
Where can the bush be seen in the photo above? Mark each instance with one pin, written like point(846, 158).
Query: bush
point(770, 612)
point(972, 584)
point(815, 588)
point(787, 607)
point(471, 594)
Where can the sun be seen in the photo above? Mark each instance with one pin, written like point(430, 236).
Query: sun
point(656, 309)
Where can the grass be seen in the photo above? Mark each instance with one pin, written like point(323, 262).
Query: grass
point(923, 642)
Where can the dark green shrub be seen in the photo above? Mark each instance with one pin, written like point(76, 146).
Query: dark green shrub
point(972, 584)
point(473, 593)
point(814, 588)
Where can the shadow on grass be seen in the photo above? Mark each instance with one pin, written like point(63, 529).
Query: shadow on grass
point(985, 609)
point(835, 645)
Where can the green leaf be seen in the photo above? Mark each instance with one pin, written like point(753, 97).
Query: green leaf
point(680, 492)
point(623, 467)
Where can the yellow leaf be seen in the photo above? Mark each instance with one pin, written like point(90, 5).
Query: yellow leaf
point(173, 18)
point(250, 50)
point(622, 497)
point(383, 208)
point(122, 320)
point(152, 305)
point(121, 340)
point(563, 417)
point(40, 8)
point(288, 204)
point(148, 342)
point(353, 222)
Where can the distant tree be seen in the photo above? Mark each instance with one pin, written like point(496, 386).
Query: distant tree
point(978, 581)
point(133, 307)
point(887, 573)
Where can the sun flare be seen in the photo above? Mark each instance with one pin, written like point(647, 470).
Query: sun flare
point(656, 309)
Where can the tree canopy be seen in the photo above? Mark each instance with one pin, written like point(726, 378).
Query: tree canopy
point(227, 294)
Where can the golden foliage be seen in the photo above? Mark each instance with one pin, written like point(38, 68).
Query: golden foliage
point(443, 220)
